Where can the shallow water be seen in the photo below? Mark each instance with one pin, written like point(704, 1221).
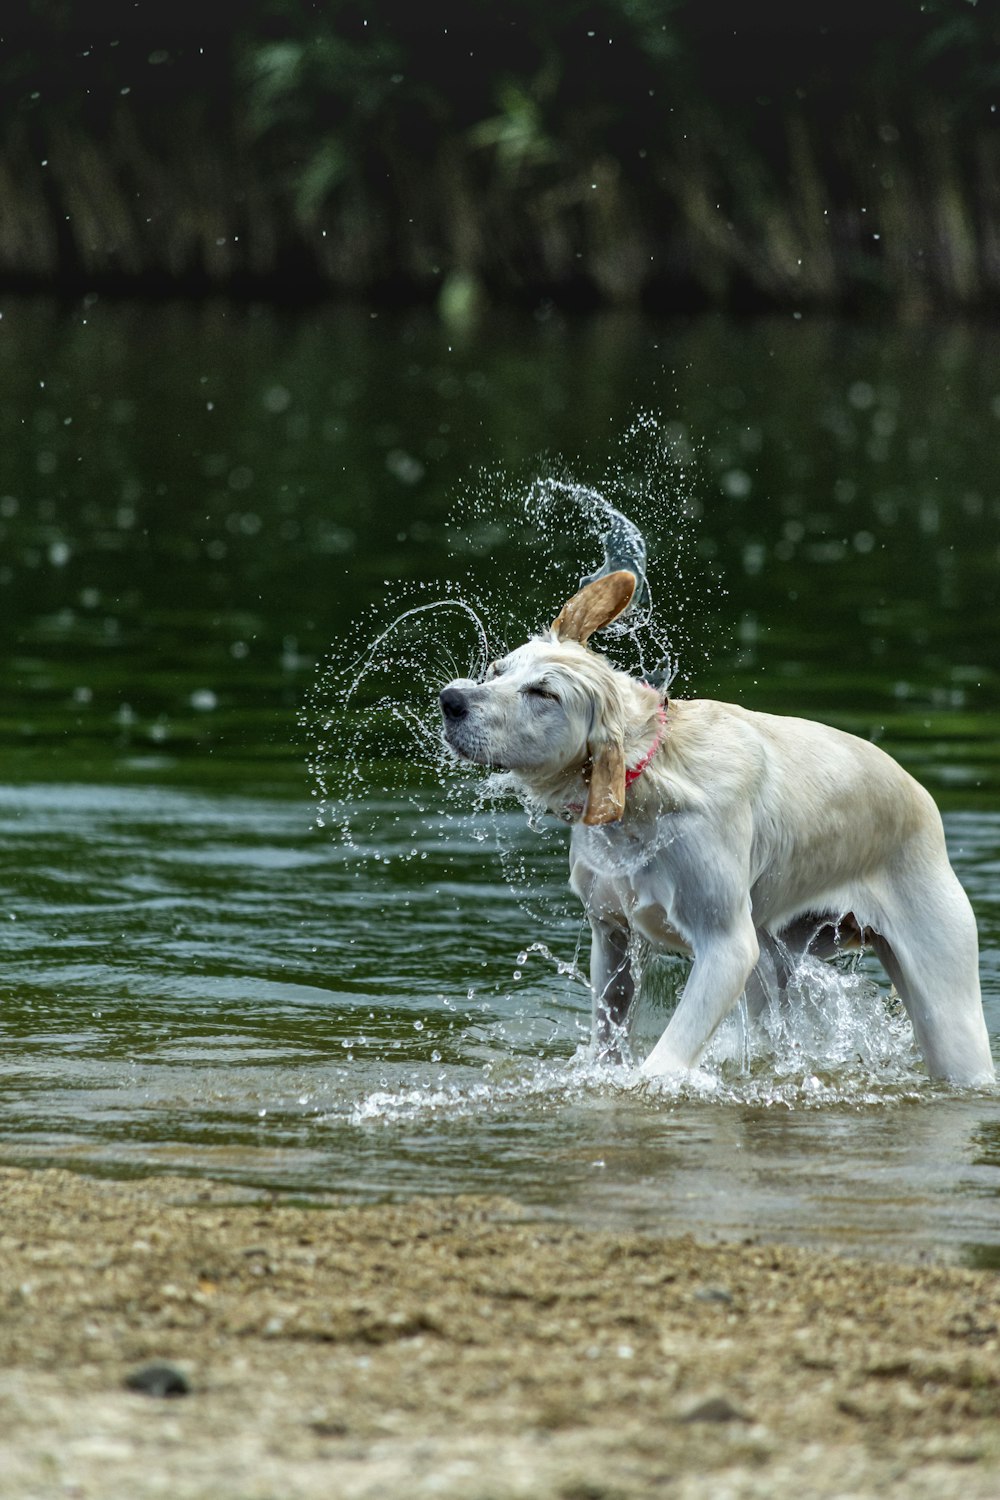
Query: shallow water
point(196, 977)
point(201, 983)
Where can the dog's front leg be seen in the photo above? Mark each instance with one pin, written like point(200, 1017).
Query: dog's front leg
point(612, 986)
point(723, 961)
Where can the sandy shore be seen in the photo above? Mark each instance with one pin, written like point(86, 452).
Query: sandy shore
point(455, 1348)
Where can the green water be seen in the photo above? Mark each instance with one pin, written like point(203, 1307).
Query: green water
point(196, 503)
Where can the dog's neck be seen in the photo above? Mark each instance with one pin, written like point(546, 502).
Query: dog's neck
point(563, 797)
point(632, 773)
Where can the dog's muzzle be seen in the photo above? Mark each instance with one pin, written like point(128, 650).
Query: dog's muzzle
point(453, 705)
point(460, 724)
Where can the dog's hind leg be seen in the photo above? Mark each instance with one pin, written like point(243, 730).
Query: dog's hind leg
point(928, 945)
point(769, 976)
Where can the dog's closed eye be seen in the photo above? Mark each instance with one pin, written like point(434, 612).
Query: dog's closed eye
point(537, 690)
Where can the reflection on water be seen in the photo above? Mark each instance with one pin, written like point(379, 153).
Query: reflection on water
point(195, 504)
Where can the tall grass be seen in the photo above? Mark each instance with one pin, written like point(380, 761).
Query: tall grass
point(322, 159)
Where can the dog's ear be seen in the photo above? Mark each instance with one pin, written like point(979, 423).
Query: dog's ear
point(595, 606)
point(606, 793)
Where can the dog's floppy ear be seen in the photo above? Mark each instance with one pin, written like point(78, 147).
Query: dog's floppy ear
point(595, 606)
point(606, 793)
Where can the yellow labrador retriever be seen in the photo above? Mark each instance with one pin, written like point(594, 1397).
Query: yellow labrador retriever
point(742, 839)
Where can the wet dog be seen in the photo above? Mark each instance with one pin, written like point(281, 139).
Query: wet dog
point(741, 839)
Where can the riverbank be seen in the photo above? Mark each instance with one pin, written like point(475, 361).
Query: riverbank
point(670, 158)
point(457, 1348)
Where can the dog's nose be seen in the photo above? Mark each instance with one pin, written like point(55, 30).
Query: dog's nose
point(453, 704)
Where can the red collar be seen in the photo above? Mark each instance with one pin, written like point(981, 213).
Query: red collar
point(633, 773)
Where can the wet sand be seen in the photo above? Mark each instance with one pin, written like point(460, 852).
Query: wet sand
point(459, 1349)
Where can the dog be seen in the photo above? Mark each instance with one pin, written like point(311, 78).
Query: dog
point(741, 839)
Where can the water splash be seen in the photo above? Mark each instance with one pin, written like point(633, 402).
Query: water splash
point(376, 751)
point(833, 1033)
point(832, 1040)
point(646, 497)
point(796, 1076)
point(371, 721)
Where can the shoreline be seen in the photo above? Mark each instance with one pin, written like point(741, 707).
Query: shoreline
point(459, 1347)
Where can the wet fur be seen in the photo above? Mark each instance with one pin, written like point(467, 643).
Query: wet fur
point(749, 840)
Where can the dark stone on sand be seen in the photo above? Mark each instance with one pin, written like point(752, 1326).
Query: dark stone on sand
point(158, 1380)
point(714, 1409)
point(714, 1294)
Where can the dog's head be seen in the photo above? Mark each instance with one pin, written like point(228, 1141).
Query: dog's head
point(552, 709)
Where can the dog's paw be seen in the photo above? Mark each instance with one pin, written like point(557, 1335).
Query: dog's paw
point(674, 1078)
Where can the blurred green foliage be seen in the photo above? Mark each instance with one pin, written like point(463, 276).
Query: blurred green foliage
point(663, 151)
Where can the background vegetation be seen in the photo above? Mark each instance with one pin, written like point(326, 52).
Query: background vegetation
point(668, 152)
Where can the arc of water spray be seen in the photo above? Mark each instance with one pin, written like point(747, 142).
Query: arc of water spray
point(623, 542)
point(418, 609)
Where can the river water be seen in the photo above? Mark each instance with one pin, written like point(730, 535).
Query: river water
point(252, 928)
